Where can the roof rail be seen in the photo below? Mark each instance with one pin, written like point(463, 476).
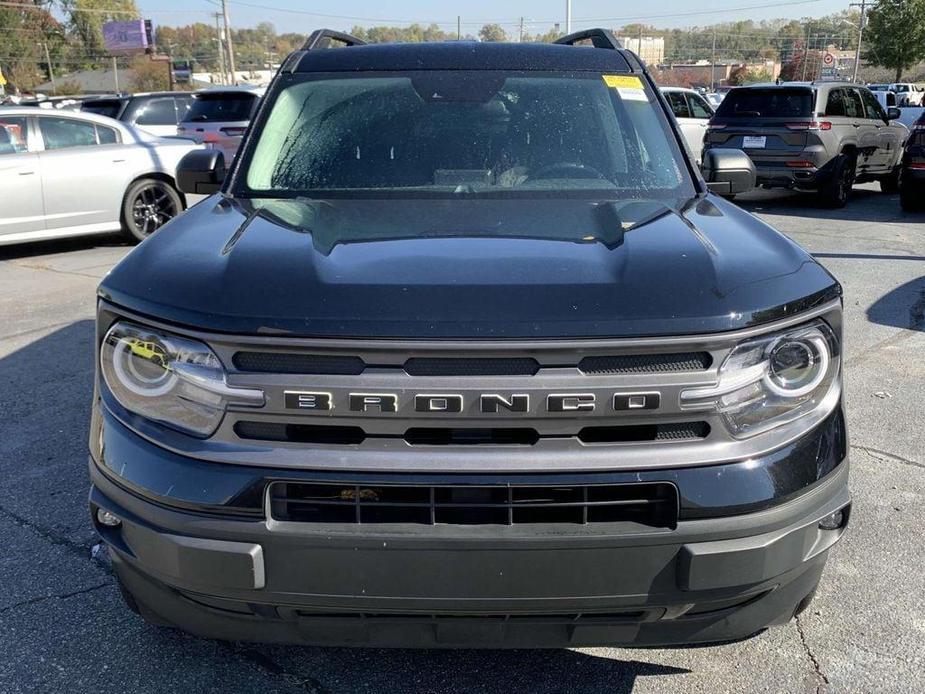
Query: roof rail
point(600, 38)
point(323, 38)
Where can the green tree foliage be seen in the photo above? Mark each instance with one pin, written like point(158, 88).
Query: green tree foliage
point(492, 32)
point(86, 19)
point(896, 34)
point(149, 75)
point(25, 31)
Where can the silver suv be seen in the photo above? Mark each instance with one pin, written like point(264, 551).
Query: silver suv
point(822, 137)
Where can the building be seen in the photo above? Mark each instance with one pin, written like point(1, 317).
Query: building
point(650, 48)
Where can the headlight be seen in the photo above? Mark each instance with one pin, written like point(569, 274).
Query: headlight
point(169, 379)
point(772, 380)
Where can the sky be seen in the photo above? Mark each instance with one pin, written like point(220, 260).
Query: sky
point(539, 15)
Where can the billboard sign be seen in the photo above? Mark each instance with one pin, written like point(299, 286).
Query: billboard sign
point(126, 38)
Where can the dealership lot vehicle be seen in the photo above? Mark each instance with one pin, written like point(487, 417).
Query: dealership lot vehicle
point(822, 137)
point(558, 430)
point(907, 93)
point(157, 113)
point(219, 117)
point(65, 173)
point(693, 114)
point(912, 180)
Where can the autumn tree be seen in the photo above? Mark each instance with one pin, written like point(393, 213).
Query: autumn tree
point(27, 28)
point(895, 35)
point(492, 32)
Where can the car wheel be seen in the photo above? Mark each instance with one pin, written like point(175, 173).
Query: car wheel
point(890, 182)
point(148, 205)
point(837, 190)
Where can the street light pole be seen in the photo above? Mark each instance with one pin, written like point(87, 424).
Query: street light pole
point(568, 16)
point(857, 51)
point(228, 41)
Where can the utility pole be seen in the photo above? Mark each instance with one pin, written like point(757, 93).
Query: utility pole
point(639, 44)
point(521, 39)
point(568, 16)
point(713, 65)
point(51, 70)
point(221, 47)
point(115, 73)
point(805, 52)
point(458, 28)
point(857, 52)
point(228, 41)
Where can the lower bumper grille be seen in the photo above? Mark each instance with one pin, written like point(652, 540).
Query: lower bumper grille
point(641, 506)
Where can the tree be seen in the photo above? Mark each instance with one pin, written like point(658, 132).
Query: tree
point(738, 75)
point(86, 19)
point(149, 75)
point(492, 32)
point(895, 35)
point(26, 28)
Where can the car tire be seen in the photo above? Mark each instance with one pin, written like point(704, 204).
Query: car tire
point(890, 182)
point(149, 203)
point(837, 189)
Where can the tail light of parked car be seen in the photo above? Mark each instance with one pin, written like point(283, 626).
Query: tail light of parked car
point(810, 125)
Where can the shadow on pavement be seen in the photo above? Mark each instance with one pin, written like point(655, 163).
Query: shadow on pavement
point(485, 671)
point(865, 205)
point(904, 307)
point(68, 245)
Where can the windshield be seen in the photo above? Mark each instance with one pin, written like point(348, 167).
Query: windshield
point(224, 108)
point(476, 132)
point(103, 107)
point(771, 103)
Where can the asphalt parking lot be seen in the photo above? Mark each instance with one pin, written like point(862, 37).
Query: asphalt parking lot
point(63, 627)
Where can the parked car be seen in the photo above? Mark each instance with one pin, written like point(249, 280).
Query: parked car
point(693, 113)
point(715, 98)
point(912, 180)
point(158, 113)
point(465, 353)
point(822, 137)
point(219, 117)
point(67, 173)
point(887, 99)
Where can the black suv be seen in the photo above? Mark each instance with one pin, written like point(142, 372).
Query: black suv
point(463, 352)
point(822, 137)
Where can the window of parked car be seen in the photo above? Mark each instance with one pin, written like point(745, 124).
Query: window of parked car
point(835, 106)
point(13, 134)
point(678, 104)
point(699, 107)
point(854, 107)
point(874, 109)
point(225, 107)
point(773, 102)
point(450, 133)
point(183, 106)
point(111, 108)
point(62, 133)
point(158, 112)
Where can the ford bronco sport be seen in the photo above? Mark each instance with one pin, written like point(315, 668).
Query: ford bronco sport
point(463, 352)
point(822, 137)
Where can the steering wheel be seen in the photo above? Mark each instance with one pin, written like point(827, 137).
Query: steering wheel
point(566, 169)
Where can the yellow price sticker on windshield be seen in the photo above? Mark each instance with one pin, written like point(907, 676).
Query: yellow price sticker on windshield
point(623, 81)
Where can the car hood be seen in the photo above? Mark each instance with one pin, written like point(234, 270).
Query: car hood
point(467, 268)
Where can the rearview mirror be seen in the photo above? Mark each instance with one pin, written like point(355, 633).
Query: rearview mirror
point(201, 172)
point(728, 171)
point(892, 113)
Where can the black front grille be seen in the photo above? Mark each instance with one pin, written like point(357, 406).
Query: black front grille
point(449, 366)
point(646, 363)
point(295, 363)
point(639, 506)
point(468, 436)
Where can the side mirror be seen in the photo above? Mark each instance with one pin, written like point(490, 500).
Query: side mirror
point(201, 172)
point(892, 113)
point(728, 171)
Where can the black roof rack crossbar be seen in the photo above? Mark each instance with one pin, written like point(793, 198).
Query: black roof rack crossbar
point(600, 38)
point(322, 38)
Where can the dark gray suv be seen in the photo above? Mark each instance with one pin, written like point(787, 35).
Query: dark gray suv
point(821, 137)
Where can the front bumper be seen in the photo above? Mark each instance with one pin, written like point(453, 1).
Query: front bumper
point(244, 577)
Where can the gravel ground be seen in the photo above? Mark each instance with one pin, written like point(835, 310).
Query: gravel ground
point(64, 629)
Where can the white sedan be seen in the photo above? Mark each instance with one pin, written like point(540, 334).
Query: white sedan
point(68, 173)
point(693, 113)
